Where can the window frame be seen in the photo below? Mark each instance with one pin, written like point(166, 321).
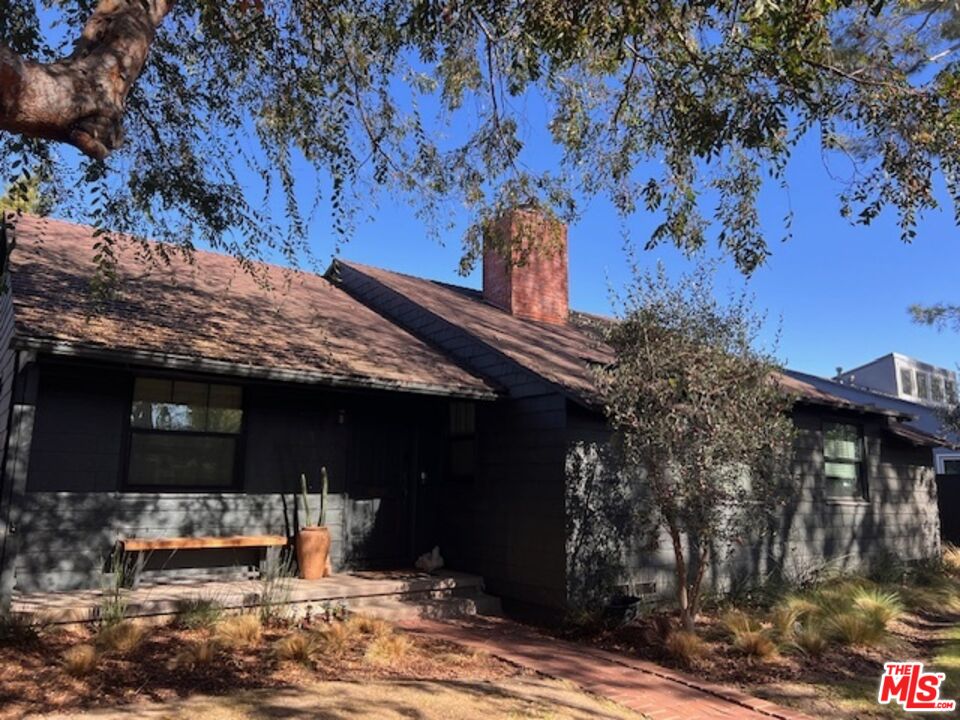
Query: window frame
point(863, 476)
point(239, 449)
point(909, 387)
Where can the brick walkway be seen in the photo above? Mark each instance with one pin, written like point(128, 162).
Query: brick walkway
point(650, 689)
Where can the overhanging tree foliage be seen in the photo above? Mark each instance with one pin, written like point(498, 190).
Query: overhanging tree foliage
point(700, 414)
point(679, 107)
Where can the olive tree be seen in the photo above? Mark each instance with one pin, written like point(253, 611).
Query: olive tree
point(189, 120)
point(701, 416)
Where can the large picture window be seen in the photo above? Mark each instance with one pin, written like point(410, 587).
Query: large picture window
point(184, 434)
point(843, 461)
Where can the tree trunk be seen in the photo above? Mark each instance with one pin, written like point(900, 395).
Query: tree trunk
point(680, 568)
point(81, 99)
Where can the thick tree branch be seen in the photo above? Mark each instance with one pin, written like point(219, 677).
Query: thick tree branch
point(81, 99)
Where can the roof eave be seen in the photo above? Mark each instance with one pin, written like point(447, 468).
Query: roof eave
point(173, 361)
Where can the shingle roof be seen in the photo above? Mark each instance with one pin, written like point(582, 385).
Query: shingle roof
point(565, 355)
point(214, 310)
point(918, 421)
point(561, 354)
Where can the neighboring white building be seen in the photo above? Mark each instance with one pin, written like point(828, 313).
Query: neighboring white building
point(905, 377)
point(910, 379)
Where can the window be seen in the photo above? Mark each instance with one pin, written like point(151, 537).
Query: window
point(951, 390)
point(951, 467)
point(923, 386)
point(906, 381)
point(936, 388)
point(184, 434)
point(462, 441)
point(843, 461)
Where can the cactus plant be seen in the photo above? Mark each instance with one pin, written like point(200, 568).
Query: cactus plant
point(306, 499)
point(304, 493)
point(323, 495)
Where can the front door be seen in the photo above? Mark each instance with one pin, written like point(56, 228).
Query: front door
point(378, 512)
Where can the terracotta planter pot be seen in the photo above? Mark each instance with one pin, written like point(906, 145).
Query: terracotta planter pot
point(313, 552)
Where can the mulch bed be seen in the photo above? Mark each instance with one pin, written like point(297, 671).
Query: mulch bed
point(33, 679)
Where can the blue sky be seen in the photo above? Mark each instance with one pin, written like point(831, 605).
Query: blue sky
point(837, 292)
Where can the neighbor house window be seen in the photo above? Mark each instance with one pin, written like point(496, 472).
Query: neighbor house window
point(951, 389)
point(184, 434)
point(951, 467)
point(923, 386)
point(843, 461)
point(906, 381)
point(936, 385)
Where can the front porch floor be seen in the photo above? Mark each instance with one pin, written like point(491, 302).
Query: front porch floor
point(392, 595)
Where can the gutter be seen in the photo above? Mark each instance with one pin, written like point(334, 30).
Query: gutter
point(173, 361)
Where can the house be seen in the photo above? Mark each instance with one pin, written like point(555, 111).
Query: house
point(191, 402)
point(924, 417)
point(927, 389)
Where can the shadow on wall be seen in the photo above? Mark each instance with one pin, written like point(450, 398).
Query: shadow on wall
point(602, 524)
point(814, 535)
point(67, 539)
point(608, 550)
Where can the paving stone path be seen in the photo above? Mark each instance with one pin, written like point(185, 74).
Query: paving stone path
point(655, 691)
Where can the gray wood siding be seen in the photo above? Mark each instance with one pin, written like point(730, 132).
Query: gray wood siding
point(8, 364)
point(508, 525)
point(75, 509)
point(900, 517)
point(67, 537)
point(7, 359)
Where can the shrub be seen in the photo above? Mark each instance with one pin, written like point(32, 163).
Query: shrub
point(121, 637)
point(196, 654)
point(80, 660)
point(338, 638)
point(887, 568)
point(17, 630)
point(276, 584)
point(388, 650)
point(199, 613)
point(785, 620)
point(737, 621)
point(878, 605)
point(238, 630)
point(810, 639)
point(951, 558)
point(371, 626)
point(684, 647)
point(299, 647)
point(856, 628)
point(930, 572)
point(755, 643)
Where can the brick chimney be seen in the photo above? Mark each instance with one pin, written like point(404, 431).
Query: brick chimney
point(525, 266)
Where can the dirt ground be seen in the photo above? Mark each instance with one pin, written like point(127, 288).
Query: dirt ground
point(528, 698)
point(841, 684)
point(34, 679)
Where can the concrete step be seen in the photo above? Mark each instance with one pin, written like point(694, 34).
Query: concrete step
point(392, 596)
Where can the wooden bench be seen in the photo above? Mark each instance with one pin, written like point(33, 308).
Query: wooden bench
point(143, 546)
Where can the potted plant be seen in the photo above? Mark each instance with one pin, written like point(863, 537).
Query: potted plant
point(313, 541)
